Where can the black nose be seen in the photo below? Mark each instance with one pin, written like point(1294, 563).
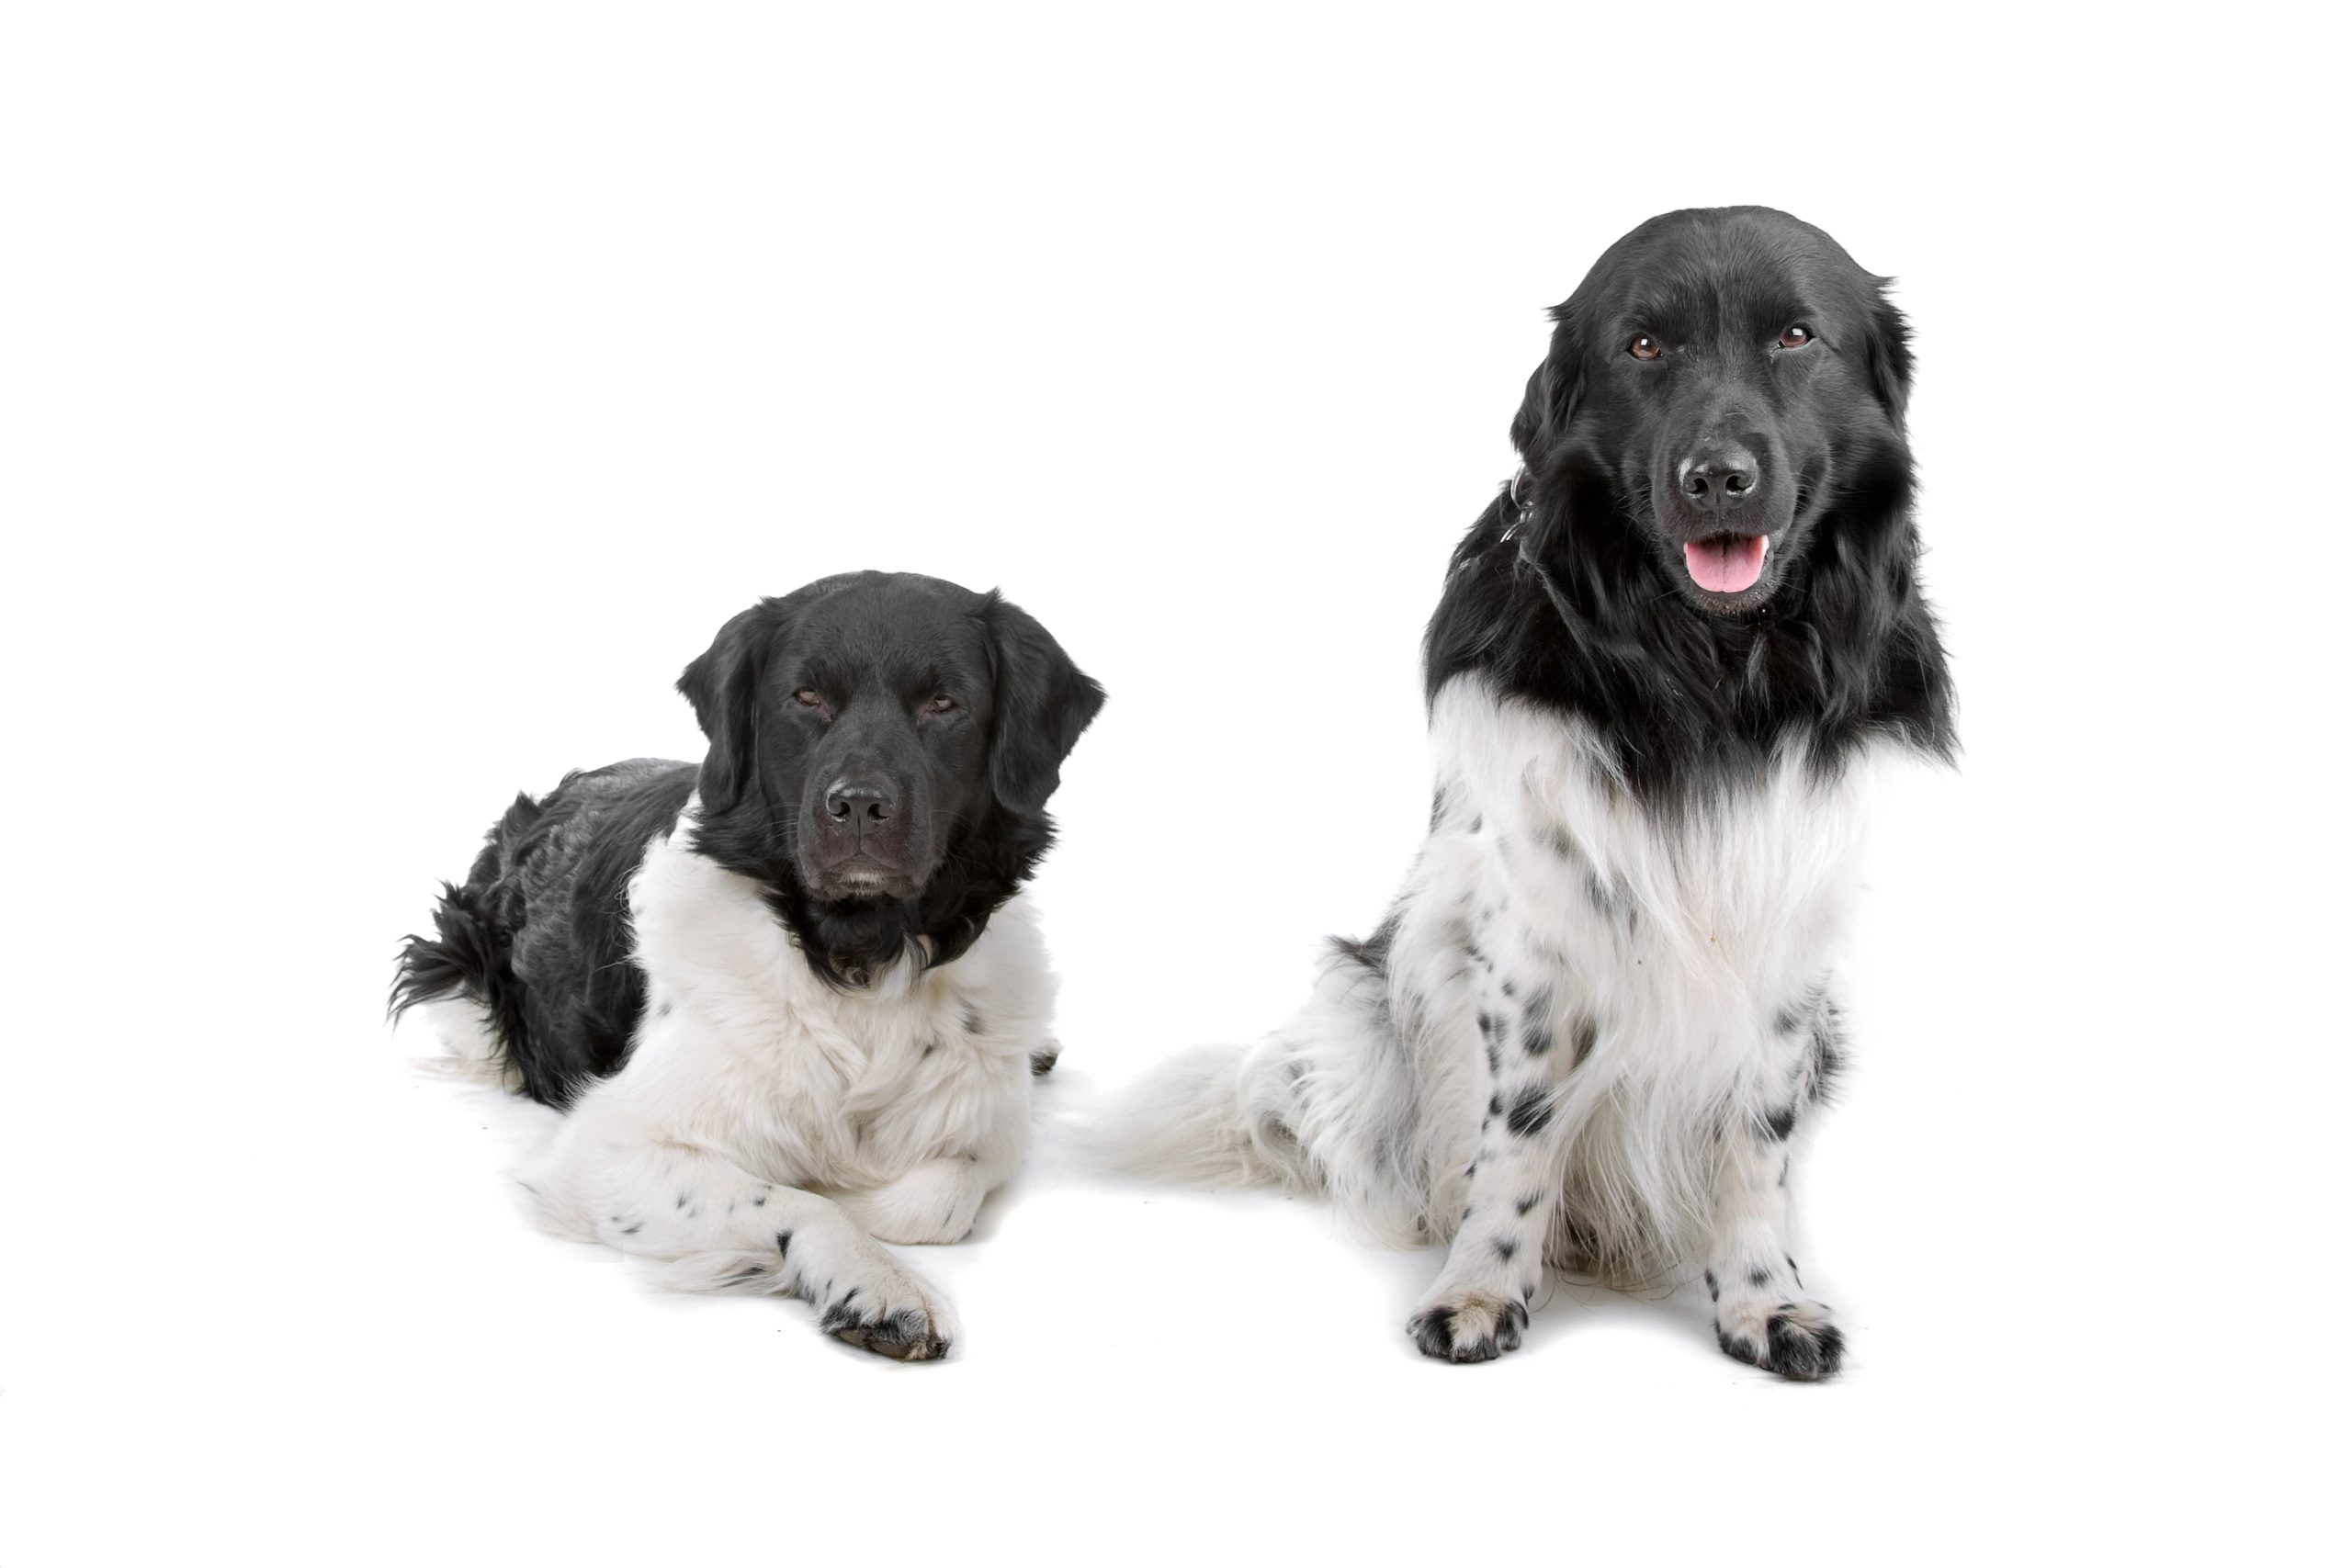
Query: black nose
point(1719, 477)
point(862, 802)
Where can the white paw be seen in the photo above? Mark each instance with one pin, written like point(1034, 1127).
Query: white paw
point(1783, 1333)
point(932, 1204)
point(1467, 1325)
point(867, 1297)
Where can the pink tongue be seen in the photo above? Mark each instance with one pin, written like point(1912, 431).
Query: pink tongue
point(1728, 563)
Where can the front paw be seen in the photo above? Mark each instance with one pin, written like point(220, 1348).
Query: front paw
point(886, 1310)
point(1468, 1325)
point(1796, 1338)
point(933, 1204)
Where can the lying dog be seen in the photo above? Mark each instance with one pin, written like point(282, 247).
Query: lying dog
point(789, 997)
point(1600, 1015)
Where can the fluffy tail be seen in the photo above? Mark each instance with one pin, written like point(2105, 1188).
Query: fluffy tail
point(468, 958)
point(1217, 1114)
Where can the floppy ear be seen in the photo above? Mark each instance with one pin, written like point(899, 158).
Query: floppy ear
point(724, 686)
point(1888, 355)
point(1043, 704)
point(1552, 391)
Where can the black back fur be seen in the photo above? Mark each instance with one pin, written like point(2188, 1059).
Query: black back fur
point(538, 935)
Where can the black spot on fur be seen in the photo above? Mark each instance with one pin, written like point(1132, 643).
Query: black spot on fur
point(683, 1198)
point(1760, 1277)
point(1714, 1293)
point(1604, 898)
point(1372, 952)
point(1531, 1112)
point(1828, 1058)
point(1802, 1353)
point(760, 1201)
point(1587, 1035)
point(784, 1244)
point(1535, 1023)
point(1778, 1125)
point(632, 1230)
point(1493, 1106)
point(1505, 1247)
point(1526, 1205)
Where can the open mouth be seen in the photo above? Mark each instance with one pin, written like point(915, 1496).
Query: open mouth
point(1726, 563)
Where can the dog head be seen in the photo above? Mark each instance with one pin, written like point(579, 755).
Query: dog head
point(882, 747)
point(1720, 380)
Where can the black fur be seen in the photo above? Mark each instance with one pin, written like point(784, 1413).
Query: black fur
point(1531, 1113)
point(1579, 603)
point(538, 936)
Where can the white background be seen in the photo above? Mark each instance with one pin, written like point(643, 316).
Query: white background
point(393, 399)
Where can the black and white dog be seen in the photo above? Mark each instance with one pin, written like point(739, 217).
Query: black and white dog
point(789, 997)
point(1666, 661)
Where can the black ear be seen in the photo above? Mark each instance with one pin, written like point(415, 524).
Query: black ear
point(1888, 355)
point(724, 686)
point(1043, 704)
point(1552, 391)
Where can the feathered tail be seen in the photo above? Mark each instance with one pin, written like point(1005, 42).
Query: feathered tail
point(1217, 1113)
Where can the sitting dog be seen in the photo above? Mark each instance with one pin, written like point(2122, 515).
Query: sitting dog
point(789, 999)
point(1600, 1016)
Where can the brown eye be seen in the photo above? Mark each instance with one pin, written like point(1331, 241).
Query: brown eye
point(808, 699)
point(1796, 336)
point(940, 704)
point(1645, 347)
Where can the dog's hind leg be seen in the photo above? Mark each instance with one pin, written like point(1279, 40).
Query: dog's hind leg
point(1762, 1314)
point(620, 1180)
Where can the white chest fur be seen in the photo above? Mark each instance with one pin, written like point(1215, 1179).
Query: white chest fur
point(1688, 929)
point(746, 1052)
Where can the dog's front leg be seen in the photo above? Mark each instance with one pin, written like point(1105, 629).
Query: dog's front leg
point(1478, 1305)
point(1762, 1313)
point(634, 1186)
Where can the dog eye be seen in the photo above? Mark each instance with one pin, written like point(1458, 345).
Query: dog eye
point(1645, 347)
point(940, 704)
point(808, 699)
point(1796, 336)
